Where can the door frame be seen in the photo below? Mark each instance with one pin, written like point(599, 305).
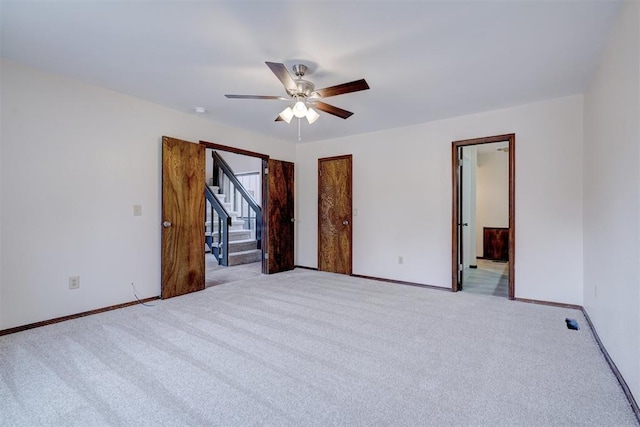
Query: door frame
point(265, 196)
point(455, 220)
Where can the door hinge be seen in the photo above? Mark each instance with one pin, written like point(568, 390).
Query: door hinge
point(266, 171)
point(460, 267)
point(266, 255)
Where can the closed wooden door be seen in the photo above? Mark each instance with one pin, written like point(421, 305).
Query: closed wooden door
point(334, 214)
point(280, 216)
point(183, 166)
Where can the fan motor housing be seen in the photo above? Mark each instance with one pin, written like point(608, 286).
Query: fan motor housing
point(305, 88)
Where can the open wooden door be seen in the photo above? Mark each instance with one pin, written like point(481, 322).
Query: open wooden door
point(459, 225)
point(280, 216)
point(183, 167)
point(334, 214)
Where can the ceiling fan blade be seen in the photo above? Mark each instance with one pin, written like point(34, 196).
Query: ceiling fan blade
point(322, 106)
point(354, 86)
point(279, 119)
point(280, 70)
point(257, 97)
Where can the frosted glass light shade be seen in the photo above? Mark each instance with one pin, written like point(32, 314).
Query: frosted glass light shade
point(299, 109)
point(286, 114)
point(312, 115)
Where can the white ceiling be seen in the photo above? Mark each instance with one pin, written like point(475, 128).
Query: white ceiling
point(424, 60)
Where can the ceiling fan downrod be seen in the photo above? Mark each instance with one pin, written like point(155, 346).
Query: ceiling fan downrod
point(299, 70)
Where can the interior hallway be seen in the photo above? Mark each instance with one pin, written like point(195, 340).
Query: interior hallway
point(490, 278)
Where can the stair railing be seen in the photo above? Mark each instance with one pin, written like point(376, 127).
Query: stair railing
point(239, 197)
point(219, 248)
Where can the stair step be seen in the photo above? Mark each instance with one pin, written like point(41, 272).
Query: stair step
point(245, 257)
point(242, 245)
point(234, 235)
point(235, 225)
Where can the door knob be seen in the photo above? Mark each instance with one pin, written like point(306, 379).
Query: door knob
point(166, 224)
point(345, 222)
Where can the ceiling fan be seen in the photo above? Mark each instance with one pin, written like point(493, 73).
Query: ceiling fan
point(304, 95)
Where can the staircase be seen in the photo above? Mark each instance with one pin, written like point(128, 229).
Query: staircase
point(243, 246)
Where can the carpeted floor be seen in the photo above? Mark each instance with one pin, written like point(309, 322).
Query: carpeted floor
point(216, 274)
point(310, 348)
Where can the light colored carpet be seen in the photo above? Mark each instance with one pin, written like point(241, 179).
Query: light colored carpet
point(216, 274)
point(310, 348)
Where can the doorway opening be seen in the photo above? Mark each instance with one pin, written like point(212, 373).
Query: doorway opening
point(275, 229)
point(483, 215)
point(244, 257)
point(246, 242)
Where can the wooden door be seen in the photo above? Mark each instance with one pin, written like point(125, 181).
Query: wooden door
point(460, 230)
point(280, 240)
point(183, 166)
point(334, 214)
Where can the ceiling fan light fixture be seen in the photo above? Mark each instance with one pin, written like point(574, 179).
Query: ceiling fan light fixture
point(286, 114)
point(299, 109)
point(311, 115)
point(302, 94)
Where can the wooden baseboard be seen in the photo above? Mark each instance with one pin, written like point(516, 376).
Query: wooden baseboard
point(379, 279)
point(306, 268)
point(492, 259)
point(551, 303)
point(614, 368)
point(73, 316)
point(400, 282)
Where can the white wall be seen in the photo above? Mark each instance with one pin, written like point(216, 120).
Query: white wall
point(548, 198)
point(75, 159)
point(238, 163)
point(492, 194)
point(612, 197)
point(242, 164)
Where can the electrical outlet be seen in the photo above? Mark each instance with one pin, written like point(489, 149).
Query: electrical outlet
point(137, 210)
point(74, 282)
point(401, 260)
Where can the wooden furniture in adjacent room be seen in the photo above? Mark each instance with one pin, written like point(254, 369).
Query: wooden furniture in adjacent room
point(495, 243)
